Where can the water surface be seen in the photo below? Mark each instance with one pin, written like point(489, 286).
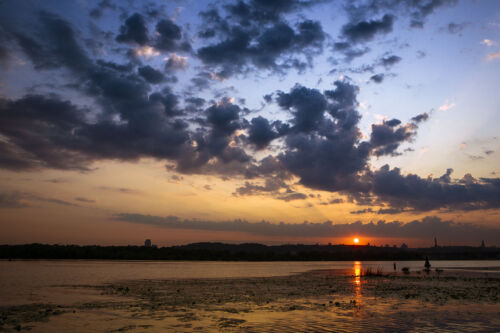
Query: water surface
point(29, 281)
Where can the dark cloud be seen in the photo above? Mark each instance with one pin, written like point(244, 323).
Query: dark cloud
point(221, 122)
point(128, 119)
point(292, 196)
point(385, 138)
point(57, 180)
point(11, 200)
point(175, 62)
point(196, 102)
point(454, 28)
point(263, 11)
point(416, 11)
point(39, 133)
point(307, 106)
point(266, 49)
point(255, 35)
point(52, 46)
point(324, 152)
point(377, 78)
point(261, 132)
point(389, 61)
point(273, 186)
point(412, 191)
point(98, 10)
point(392, 123)
point(84, 200)
point(22, 199)
point(390, 211)
point(366, 30)
point(362, 211)
point(170, 37)
point(333, 201)
point(420, 118)
point(424, 229)
point(122, 190)
point(151, 75)
point(350, 51)
point(55, 201)
point(134, 30)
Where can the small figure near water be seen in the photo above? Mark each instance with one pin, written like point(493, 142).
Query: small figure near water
point(427, 264)
point(394, 266)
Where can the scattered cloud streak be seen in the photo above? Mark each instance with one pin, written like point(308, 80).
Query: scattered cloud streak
point(424, 229)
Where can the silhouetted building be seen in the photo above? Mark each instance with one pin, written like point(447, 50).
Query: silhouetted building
point(404, 246)
point(147, 243)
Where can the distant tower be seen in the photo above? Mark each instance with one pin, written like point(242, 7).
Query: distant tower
point(482, 244)
point(147, 243)
point(435, 242)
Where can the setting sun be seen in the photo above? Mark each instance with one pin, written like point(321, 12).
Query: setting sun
point(356, 241)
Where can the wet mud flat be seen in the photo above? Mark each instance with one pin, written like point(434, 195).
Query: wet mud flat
point(316, 301)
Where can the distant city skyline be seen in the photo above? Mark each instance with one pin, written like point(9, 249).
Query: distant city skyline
point(290, 121)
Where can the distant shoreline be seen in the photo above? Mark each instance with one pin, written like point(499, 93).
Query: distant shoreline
point(245, 252)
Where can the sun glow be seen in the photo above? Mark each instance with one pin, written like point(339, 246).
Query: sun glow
point(356, 240)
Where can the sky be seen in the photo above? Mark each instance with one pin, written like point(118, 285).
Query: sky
point(270, 121)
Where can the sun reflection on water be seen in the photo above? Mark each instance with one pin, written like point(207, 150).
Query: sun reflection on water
point(357, 272)
point(357, 286)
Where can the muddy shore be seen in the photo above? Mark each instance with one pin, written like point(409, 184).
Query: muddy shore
point(319, 301)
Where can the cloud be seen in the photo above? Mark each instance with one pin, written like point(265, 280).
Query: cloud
point(454, 28)
point(97, 11)
point(366, 30)
point(385, 138)
point(423, 194)
point(84, 200)
point(488, 42)
point(389, 61)
point(493, 56)
point(151, 75)
point(134, 30)
point(333, 201)
point(122, 190)
point(55, 201)
point(254, 34)
point(420, 117)
point(416, 11)
point(292, 196)
point(127, 117)
point(176, 62)
point(21, 199)
point(146, 52)
point(261, 132)
point(424, 229)
point(362, 211)
point(12, 200)
point(377, 78)
point(446, 106)
point(170, 37)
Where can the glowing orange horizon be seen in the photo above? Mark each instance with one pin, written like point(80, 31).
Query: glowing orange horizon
point(356, 240)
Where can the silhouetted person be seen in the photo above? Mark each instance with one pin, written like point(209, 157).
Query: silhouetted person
point(394, 267)
point(427, 264)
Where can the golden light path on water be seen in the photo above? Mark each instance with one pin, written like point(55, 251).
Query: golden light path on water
point(357, 286)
